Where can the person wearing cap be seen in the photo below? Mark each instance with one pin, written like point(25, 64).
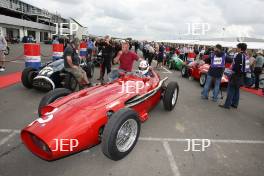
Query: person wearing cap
point(125, 57)
point(144, 69)
point(72, 62)
point(258, 67)
point(107, 54)
point(3, 46)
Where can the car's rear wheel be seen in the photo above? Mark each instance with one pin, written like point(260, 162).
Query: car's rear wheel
point(184, 71)
point(52, 96)
point(27, 77)
point(202, 79)
point(71, 82)
point(120, 134)
point(90, 73)
point(170, 96)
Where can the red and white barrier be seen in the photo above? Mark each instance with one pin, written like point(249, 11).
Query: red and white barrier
point(83, 50)
point(57, 50)
point(32, 55)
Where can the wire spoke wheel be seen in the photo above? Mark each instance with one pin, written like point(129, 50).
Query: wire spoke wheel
point(174, 97)
point(120, 134)
point(126, 135)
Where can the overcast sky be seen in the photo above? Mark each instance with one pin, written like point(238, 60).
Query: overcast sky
point(163, 19)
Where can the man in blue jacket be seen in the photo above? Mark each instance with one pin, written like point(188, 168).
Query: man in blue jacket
point(216, 70)
point(240, 66)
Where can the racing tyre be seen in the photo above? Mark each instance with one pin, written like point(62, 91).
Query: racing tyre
point(170, 96)
point(52, 96)
point(90, 71)
point(27, 77)
point(71, 82)
point(120, 134)
point(261, 83)
point(184, 71)
point(202, 79)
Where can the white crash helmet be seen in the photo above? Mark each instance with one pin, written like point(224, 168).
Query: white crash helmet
point(143, 67)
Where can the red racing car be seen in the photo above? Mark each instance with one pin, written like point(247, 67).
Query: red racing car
point(198, 70)
point(110, 114)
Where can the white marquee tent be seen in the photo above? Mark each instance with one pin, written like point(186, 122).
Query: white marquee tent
point(251, 45)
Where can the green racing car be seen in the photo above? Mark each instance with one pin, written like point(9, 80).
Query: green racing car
point(175, 63)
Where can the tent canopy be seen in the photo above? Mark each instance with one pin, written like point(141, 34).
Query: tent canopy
point(251, 45)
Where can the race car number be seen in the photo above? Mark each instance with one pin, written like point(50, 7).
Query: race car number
point(46, 70)
point(49, 116)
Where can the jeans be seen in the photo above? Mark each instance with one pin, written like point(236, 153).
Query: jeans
point(105, 66)
point(232, 95)
point(150, 58)
point(207, 85)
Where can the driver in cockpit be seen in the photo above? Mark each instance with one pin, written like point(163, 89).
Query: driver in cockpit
point(144, 69)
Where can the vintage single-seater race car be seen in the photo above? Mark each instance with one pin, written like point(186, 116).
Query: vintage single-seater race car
point(53, 75)
point(110, 114)
point(198, 70)
point(175, 63)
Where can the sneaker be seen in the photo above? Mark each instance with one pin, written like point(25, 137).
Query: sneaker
point(223, 106)
point(204, 98)
point(87, 85)
point(214, 100)
point(2, 69)
point(100, 79)
point(234, 106)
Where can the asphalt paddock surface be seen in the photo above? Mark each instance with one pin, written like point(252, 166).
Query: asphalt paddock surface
point(236, 136)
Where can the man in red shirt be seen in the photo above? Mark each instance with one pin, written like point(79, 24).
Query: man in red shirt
point(126, 58)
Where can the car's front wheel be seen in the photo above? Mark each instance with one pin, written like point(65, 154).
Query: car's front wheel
point(52, 96)
point(70, 82)
point(27, 77)
point(120, 134)
point(170, 96)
